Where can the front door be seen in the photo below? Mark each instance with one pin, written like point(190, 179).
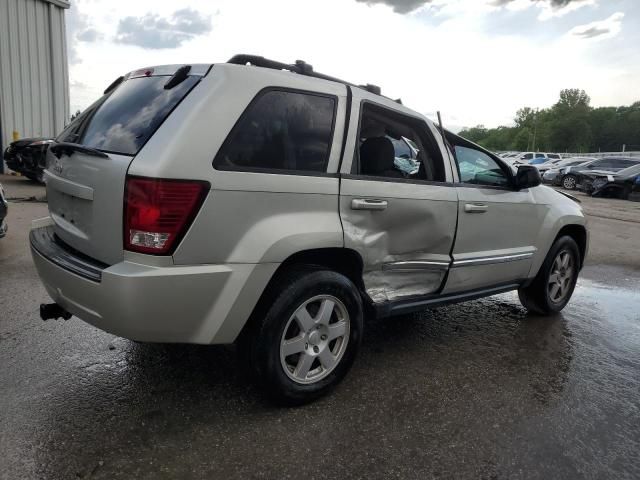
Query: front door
point(398, 204)
point(497, 226)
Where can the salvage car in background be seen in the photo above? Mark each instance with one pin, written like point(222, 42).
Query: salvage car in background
point(573, 175)
point(619, 185)
point(27, 157)
point(554, 174)
point(3, 213)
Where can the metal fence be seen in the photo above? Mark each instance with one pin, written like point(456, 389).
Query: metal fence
point(603, 154)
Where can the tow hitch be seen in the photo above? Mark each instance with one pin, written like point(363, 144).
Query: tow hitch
point(53, 310)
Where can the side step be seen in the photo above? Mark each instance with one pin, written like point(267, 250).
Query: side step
point(404, 306)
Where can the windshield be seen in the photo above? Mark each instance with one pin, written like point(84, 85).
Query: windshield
point(123, 120)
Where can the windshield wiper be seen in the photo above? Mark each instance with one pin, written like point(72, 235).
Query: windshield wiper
point(66, 148)
point(180, 76)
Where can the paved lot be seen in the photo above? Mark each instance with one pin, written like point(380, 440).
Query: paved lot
point(480, 390)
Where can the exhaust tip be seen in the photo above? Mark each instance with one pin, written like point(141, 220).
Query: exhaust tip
point(54, 311)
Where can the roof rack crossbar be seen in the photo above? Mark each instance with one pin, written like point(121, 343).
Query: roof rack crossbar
point(300, 67)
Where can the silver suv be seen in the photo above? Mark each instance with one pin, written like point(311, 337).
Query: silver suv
point(265, 203)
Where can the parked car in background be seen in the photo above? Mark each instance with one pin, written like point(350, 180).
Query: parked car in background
point(554, 174)
point(4, 207)
point(258, 225)
point(573, 175)
point(530, 158)
point(619, 185)
point(550, 163)
point(27, 156)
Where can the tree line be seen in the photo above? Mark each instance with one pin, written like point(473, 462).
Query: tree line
point(571, 125)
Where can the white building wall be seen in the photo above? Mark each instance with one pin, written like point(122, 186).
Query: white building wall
point(34, 76)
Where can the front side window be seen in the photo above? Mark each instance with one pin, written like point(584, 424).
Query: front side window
point(281, 130)
point(478, 168)
point(540, 155)
point(393, 145)
point(527, 156)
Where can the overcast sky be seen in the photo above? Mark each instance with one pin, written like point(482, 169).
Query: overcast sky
point(477, 61)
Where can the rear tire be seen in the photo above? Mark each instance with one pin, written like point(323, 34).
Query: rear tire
point(553, 287)
point(569, 182)
point(305, 335)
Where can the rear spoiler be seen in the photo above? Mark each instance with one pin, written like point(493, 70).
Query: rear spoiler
point(196, 69)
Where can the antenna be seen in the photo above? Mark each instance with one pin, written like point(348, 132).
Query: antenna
point(444, 138)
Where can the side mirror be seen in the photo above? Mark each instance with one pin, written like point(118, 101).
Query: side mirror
point(527, 176)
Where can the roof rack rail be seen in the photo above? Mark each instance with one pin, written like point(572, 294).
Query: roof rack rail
point(300, 67)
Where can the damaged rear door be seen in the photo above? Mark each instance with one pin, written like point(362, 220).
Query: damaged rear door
point(400, 219)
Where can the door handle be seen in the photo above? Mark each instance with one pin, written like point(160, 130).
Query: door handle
point(476, 207)
point(368, 204)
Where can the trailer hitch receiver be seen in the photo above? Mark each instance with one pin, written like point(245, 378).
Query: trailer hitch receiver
point(53, 311)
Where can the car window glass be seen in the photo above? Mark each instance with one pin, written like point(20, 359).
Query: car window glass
point(478, 168)
point(626, 163)
point(124, 119)
point(527, 156)
point(393, 145)
point(281, 130)
point(539, 155)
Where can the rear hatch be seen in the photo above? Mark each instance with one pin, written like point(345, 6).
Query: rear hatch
point(87, 166)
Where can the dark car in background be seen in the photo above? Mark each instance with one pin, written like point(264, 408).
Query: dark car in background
point(26, 156)
point(619, 185)
point(573, 176)
point(554, 174)
point(3, 213)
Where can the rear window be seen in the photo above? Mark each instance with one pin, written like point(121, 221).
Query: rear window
point(281, 130)
point(123, 120)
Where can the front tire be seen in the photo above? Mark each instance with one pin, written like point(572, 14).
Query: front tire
point(569, 182)
point(305, 337)
point(553, 287)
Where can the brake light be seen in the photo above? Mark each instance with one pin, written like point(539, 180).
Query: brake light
point(158, 212)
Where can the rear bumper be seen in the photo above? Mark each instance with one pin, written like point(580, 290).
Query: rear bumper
point(177, 304)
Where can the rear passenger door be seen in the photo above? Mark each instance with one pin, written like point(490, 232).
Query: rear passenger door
point(497, 225)
point(397, 201)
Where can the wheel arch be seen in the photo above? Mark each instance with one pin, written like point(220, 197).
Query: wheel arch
point(579, 234)
point(346, 261)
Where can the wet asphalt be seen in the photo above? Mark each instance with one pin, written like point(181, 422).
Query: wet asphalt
point(476, 390)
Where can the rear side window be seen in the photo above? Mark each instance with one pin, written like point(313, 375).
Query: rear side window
point(281, 130)
point(540, 155)
point(394, 145)
point(124, 119)
point(527, 156)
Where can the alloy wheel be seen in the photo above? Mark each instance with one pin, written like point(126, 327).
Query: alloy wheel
point(315, 339)
point(569, 182)
point(561, 277)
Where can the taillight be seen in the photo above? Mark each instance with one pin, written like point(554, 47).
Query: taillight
point(158, 212)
